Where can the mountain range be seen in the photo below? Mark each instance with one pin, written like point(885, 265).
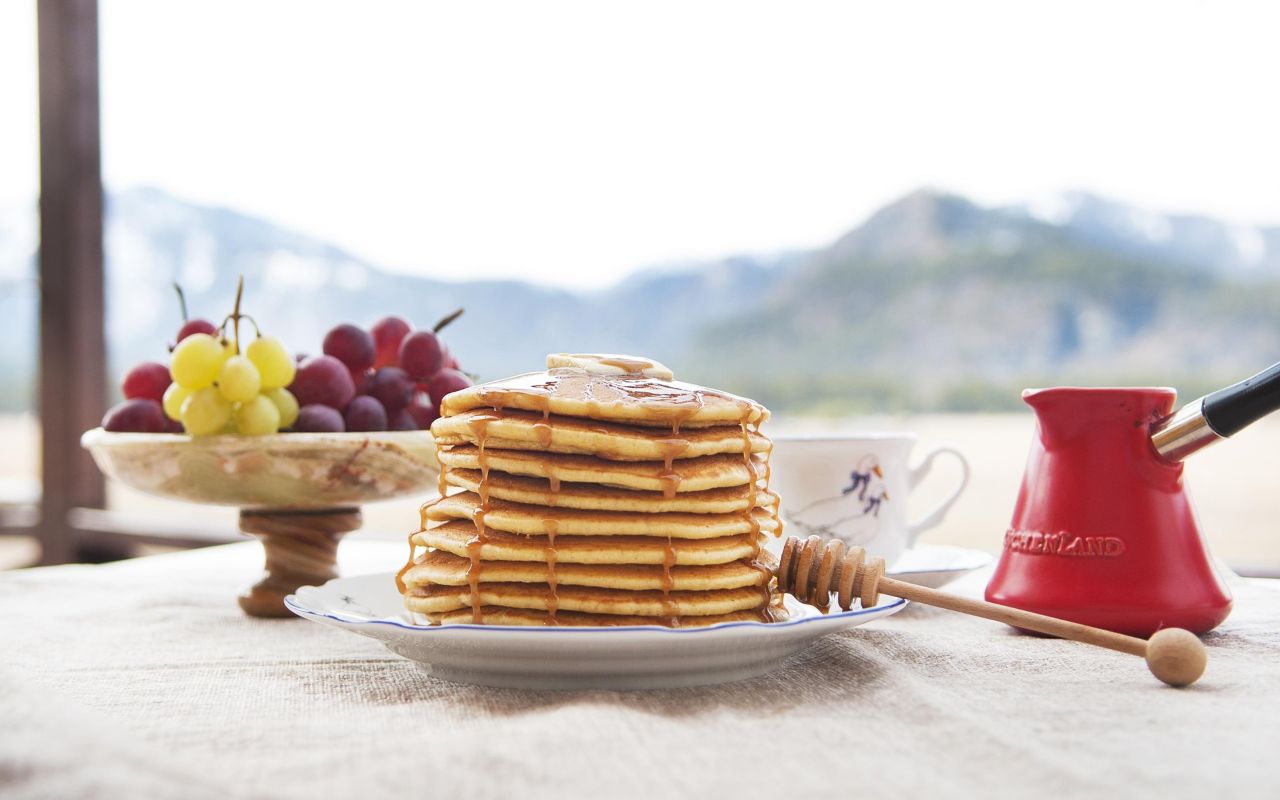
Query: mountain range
point(932, 302)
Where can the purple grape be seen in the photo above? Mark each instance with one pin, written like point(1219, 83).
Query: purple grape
point(365, 413)
point(388, 333)
point(361, 381)
point(138, 415)
point(196, 326)
point(444, 382)
point(323, 380)
point(423, 411)
point(146, 381)
point(351, 345)
point(402, 420)
point(316, 418)
point(421, 354)
point(392, 387)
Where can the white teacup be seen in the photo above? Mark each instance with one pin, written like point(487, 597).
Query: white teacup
point(855, 488)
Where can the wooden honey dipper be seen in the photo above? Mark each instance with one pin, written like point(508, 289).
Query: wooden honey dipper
point(812, 569)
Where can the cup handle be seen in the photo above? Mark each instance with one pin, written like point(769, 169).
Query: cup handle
point(917, 474)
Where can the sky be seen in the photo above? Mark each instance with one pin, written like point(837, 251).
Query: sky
point(571, 143)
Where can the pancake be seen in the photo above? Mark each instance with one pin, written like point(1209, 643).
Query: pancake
point(446, 569)
point(452, 537)
point(434, 598)
point(586, 496)
point(685, 475)
point(524, 430)
point(598, 492)
point(497, 615)
point(633, 398)
point(503, 515)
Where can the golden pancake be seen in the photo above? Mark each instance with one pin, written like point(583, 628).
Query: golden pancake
point(452, 537)
point(586, 496)
point(497, 615)
point(632, 398)
point(433, 599)
point(685, 475)
point(523, 430)
point(446, 569)
point(520, 518)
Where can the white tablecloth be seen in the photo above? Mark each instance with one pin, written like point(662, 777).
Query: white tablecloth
point(143, 679)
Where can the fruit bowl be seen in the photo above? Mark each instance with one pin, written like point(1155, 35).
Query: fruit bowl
point(298, 492)
point(280, 472)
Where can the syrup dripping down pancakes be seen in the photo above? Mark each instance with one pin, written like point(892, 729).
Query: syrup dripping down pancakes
point(598, 492)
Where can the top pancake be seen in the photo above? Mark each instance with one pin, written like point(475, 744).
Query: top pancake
point(632, 398)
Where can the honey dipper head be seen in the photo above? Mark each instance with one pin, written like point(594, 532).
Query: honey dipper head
point(1176, 656)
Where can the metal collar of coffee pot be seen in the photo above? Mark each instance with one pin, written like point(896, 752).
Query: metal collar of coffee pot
point(1184, 432)
point(1218, 415)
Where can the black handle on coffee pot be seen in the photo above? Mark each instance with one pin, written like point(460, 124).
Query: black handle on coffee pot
point(1216, 416)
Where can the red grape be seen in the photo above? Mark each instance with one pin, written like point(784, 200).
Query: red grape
point(365, 413)
point(147, 381)
point(351, 345)
point(324, 380)
point(196, 326)
point(402, 420)
point(392, 387)
point(361, 381)
point(319, 419)
point(387, 333)
point(421, 354)
point(444, 382)
point(138, 415)
point(423, 412)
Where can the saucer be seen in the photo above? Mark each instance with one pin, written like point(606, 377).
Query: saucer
point(936, 565)
point(629, 657)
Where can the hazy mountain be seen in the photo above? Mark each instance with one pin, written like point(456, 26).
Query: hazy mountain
point(1194, 241)
point(936, 302)
point(933, 301)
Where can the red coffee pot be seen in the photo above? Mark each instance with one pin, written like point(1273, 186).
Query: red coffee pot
point(1103, 532)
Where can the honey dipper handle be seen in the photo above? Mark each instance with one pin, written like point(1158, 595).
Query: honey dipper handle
point(1174, 656)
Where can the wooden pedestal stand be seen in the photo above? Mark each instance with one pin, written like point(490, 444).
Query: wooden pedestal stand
point(301, 549)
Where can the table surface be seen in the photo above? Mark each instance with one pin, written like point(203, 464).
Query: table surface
point(143, 679)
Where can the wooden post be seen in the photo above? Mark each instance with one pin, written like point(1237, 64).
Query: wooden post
point(72, 394)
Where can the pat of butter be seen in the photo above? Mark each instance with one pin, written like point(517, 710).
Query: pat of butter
point(610, 364)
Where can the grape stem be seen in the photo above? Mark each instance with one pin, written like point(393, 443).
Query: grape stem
point(235, 316)
point(444, 323)
point(182, 301)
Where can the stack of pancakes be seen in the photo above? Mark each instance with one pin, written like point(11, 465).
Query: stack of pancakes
point(598, 492)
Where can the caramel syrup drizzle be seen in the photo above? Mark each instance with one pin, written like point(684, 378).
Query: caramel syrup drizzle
point(480, 428)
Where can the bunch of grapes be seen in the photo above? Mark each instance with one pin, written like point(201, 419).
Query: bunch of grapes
point(210, 386)
point(390, 377)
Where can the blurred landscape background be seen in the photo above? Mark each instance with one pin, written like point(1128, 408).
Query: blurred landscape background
point(866, 217)
point(933, 303)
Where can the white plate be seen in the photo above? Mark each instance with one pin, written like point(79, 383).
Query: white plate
point(572, 658)
point(936, 565)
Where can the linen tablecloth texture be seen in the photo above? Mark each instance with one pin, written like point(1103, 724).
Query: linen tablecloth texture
point(143, 679)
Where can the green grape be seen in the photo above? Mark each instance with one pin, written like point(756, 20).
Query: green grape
point(286, 404)
point(196, 361)
point(272, 360)
point(205, 412)
point(239, 381)
point(257, 417)
point(174, 397)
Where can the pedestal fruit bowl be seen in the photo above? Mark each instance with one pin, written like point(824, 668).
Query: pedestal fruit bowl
point(299, 493)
